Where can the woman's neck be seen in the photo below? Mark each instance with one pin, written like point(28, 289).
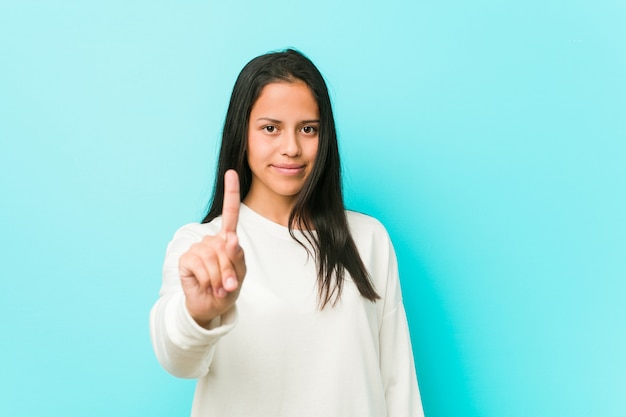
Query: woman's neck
point(276, 210)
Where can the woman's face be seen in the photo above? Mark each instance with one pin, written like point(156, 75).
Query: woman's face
point(282, 142)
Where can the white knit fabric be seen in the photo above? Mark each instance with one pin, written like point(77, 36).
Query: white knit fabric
point(276, 353)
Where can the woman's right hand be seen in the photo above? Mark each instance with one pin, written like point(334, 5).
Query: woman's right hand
point(212, 270)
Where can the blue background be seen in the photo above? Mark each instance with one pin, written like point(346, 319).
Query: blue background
point(489, 136)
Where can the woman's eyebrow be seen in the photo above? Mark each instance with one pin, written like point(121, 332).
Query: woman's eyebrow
point(269, 119)
point(275, 121)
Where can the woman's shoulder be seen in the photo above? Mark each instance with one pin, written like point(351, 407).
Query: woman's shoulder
point(199, 230)
point(363, 224)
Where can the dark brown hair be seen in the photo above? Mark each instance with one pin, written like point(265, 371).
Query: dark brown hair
point(319, 205)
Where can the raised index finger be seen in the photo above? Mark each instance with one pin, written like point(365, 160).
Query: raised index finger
point(232, 200)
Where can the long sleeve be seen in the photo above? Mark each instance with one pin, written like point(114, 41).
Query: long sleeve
point(396, 357)
point(183, 348)
point(398, 368)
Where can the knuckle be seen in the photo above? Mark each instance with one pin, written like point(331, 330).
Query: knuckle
point(191, 261)
point(208, 256)
point(207, 240)
point(227, 270)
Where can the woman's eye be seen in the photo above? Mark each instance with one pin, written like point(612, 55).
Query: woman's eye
point(270, 129)
point(309, 130)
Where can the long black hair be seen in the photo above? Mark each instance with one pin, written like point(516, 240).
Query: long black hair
point(319, 205)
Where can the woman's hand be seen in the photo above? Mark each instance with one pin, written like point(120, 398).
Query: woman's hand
point(212, 270)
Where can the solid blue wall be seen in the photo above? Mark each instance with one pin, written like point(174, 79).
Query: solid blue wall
point(488, 136)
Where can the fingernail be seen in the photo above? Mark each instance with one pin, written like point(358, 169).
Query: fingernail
point(231, 283)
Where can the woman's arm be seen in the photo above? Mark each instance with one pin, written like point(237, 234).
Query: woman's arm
point(398, 368)
point(202, 275)
point(397, 364)
point(183, 347)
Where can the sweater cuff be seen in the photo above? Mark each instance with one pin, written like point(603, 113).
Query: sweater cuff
point(186, 333)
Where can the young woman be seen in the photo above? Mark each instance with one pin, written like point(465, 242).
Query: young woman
point(317, 328)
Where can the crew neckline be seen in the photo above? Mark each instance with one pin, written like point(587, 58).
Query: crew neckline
point(253, 219)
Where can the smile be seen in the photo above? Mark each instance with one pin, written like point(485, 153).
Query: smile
point(289, 169)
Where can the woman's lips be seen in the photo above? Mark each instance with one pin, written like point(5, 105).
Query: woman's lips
point(289, 169)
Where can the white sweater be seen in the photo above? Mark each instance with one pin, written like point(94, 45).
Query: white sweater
point(276, 353)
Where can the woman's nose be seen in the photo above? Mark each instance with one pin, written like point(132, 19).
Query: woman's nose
point(290, 145)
